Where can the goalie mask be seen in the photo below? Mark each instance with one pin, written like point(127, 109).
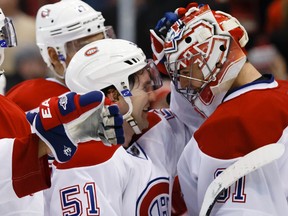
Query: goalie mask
point(61, 26)
point(111, 62)
point(204, 51)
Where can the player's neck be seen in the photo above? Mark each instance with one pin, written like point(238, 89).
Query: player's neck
point(60, 80)
point(128, 134)
point(247, 74)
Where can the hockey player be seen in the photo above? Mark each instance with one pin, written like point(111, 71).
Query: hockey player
point(143, 183)
point(62, 28)
point(244, 111)
point(24, 169)
point(178, 104)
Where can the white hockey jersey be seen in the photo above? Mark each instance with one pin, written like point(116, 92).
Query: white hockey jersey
point(250, 117)
point(113, 181)
point(38, 90)
point(22, 173)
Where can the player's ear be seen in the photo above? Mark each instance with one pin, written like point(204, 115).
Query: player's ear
point(52, 55)
point(58, 67)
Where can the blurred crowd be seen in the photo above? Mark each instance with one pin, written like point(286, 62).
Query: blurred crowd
point(265, 21)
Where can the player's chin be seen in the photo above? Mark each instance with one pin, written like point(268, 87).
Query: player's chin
point(144, 121)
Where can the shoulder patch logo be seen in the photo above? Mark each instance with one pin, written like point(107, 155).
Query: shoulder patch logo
point(63, 102)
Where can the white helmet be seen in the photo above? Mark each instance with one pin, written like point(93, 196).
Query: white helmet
point(107, 62)
point(213, 39)
point(64, 21)
point(7, 35)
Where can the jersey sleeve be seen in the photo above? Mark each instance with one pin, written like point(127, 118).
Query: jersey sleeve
point(23, 173)
point(196, 170)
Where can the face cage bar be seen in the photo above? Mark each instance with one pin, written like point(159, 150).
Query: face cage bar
point(189, 93)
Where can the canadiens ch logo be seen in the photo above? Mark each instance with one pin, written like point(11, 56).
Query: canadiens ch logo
point(45, 13)
point(154, 200)
point(91, 51)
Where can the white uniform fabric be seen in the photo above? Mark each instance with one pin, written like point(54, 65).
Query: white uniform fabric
point(184, 110)
point(14, 154)
point(3, 83)
point(250, 117)
point(155, 154)
point(6, 170)
point(136, 182)
point(89, 189)
point(10, 203)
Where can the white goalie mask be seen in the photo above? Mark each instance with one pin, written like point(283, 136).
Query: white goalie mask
point(67, 21)
point(110, 62)
point(210, 42)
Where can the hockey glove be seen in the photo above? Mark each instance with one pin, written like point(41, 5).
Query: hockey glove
point(65, 121)
point(158, 34)
point(157, 37)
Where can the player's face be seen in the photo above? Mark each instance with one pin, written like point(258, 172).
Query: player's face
point(143, 96)
point(192, 71)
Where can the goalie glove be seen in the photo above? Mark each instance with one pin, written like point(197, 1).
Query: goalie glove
point(65, 121)
point(158, 34)
point(157, 37)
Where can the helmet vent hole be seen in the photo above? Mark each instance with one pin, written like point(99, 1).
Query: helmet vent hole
point(56, 32)
point(73, 26)
point(188, 40)
point(135, 60)
point(52, 21)
point(222, 48)
point(89, 30)
point(131, 61)
point(98, 26)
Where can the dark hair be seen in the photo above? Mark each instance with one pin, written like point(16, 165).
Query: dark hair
point(131, 79)
point(134, 77)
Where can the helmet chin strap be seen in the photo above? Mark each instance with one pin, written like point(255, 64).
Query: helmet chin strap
point(129, 118)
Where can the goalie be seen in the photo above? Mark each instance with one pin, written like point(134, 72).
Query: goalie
point(244, 110)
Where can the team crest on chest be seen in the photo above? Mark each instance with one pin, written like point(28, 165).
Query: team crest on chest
point(154, 200)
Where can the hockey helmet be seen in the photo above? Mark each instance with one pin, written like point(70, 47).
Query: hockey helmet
point(205, 47)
